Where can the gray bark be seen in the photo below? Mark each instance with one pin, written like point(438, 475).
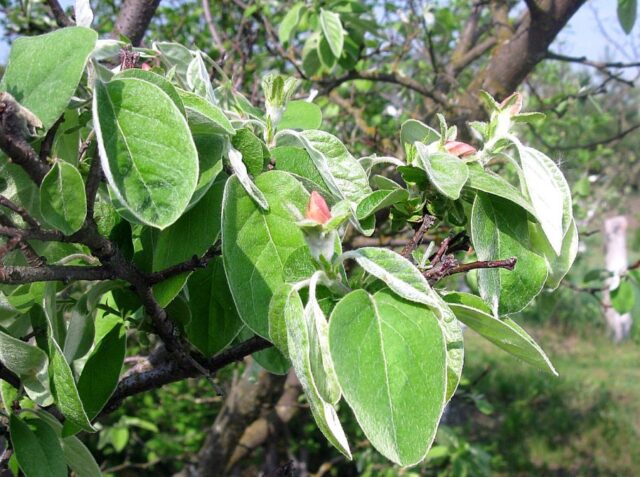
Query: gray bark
point(134, 18)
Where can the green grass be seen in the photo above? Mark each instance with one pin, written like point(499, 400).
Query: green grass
point(584, 423)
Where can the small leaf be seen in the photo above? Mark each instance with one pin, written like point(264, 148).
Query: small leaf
point(446, 172)
point(241, 173)
point(289, 23)
point(378, 200)
point(505, 334)
point(250, 147)
point(146, 149)
point(62, 199)
point(322, 370)
point(390, 358)
point(44, 71)
point(301, 115)
point(332, 30)
point(413, 130)
point(550, 195)
point(487, 181)
point(557, 266)
point(30, 363)
point(299, 352)
point(627, 13)
point(204, 117)
point(500, 231)
point(38, 450)
point(64, 389)
point(80, 335)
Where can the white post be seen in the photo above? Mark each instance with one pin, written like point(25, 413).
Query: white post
point(615, 249)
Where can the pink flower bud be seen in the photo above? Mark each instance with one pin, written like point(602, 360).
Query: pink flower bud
point(317, 209)
point(459, 149)
point(516, 107)
point(145, 66)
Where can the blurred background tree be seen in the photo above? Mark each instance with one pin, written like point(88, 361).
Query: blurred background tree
point(412, 59)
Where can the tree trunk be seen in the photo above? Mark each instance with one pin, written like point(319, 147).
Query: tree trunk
point(615, 248)
point(134, 17)
point(254, 391)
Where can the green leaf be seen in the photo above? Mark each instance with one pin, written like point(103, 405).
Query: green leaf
point(500, 231)
point(76, 454)
point(298, 162)
point(487, 181)
point(322, 369)
point(289, 23)
point(67, 140)
point(549, 192)
point(191, 235)
point(332, 30)
point(445, 171)
point(153, 78)
point(100, 374)
point(327, 58)
point(146, 149)
point(390, 358)
point(62, 199)
point(214, 319)
point(505, 334)
point(396, 272)
point(240, 172)
point(31, 365)
point(299, 352)
point(37, 448)
point(272, 360)
point(413, 130)
point(557, 266)
point(340, 171)
point(80, 334)
point(623, 297)
point(175, 55)
point(285, 297)
point(401, 276)
point(204, 117)
point(44, 71)
point(250, 147)
point(301, 115)
point(627, 12)
point(64, 389)
point(380, 199)
point(209, 148)
point(256, 244)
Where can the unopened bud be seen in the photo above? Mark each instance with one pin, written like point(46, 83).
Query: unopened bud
point(145, 66)
point(317, 209)
point(459, 149)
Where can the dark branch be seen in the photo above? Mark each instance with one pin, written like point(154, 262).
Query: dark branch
point(450, 266)
point(9, 377)
point(172, 371)
point(183, 267)
point(58, 13)
point(21, 211)
point(92, 185)
point(50, 273)
point(595, 64)
point(414, 242)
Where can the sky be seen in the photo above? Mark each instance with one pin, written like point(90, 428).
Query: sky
point(584, 35)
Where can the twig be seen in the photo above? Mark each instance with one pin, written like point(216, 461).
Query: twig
point(21, 211)
point(187, 266)
point(212, 26)
point(171, 371)
point(414, 242)
point(19, 275)
point(47, 142)
point(58, 13)
point(450, 266)
point(91, 187)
